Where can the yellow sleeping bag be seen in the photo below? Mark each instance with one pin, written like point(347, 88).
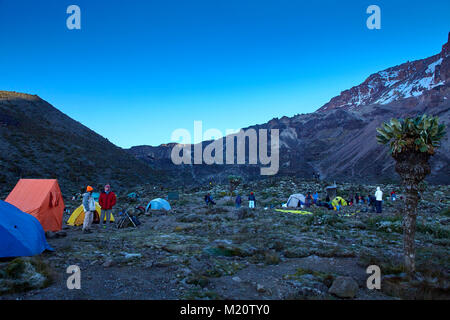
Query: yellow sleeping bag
point(293, 211)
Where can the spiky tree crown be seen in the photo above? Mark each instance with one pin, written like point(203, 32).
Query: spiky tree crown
point(234, 179)
point(420, 134)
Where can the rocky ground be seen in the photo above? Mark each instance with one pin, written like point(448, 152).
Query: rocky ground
point(195, 252)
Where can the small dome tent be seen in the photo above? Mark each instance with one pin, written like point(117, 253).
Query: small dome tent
point(158, 204)
point(295, 200)
point(21, 234)
point(77, 216)
point(338, 201)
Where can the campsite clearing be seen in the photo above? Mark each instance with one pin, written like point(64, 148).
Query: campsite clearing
point(195, 252)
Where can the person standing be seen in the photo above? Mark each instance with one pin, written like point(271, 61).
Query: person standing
point(315, 197)
point(378, 199)
point(209, 200)
point(251, 200)
point(308, 200)
point(89, 208)
point(238, 201)
point(106, 201)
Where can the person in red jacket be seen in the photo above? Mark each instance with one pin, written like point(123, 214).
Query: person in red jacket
point(106, 201)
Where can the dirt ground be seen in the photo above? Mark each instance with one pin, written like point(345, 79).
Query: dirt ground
point(196, 252)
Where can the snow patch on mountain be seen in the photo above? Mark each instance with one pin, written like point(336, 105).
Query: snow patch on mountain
point(413, 87)
point(410, 79)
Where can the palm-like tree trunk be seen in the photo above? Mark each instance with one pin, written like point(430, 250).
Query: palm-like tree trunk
point(409, 228)
point(412, 168)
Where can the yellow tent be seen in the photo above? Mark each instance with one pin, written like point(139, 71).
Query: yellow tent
point(77, 217)
point(338, 201)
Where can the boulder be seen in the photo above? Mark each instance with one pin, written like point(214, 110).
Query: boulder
point(344, 287)
point(108, 263)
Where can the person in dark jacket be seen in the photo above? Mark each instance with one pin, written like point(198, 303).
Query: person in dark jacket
point(106, 201)
point(209, 200)
point(308, 200)
point(238, 201)
point(372, 202)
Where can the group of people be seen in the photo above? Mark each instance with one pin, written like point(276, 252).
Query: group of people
point(312, 198)
point(107, 201)
point(374, 201)
point(238, 200)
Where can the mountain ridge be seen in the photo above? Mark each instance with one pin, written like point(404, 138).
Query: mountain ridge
point(338, 139)
point(39, 141)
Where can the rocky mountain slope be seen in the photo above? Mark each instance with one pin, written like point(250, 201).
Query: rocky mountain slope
point(39, 141)
point(408, 80)
point(338, 140)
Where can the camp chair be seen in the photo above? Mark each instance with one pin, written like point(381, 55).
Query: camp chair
point(124, 217)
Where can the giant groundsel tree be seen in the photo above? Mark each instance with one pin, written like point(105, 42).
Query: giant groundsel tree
point(412, 142)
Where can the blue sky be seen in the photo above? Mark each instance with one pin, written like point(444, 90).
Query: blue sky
point(138, 70)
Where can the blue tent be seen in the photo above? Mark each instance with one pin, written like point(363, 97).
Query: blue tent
point(21, 234)
point(157, 204)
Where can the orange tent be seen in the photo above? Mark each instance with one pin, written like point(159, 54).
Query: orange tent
point(42, 199)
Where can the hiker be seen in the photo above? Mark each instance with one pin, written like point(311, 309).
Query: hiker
point(209, 200)
point(378, 199)
point(308, 200)
point(371, 202)
point(238, 201)
point(393, 196)
point(107, 201)
point(89, 208)
point(315, 197)
point(251, 200)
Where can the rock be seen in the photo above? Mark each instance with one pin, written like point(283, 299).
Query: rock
point(260, 288)
point(108, 263)
point(129, 256)
point(61, 234)
point(344, 287)
point(237, 279)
